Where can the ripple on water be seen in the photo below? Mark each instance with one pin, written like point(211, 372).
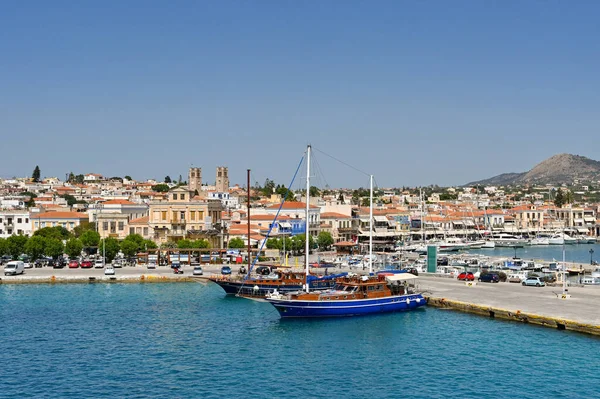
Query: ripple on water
point(188, 340)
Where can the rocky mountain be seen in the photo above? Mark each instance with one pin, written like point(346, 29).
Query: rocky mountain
point(558, 169)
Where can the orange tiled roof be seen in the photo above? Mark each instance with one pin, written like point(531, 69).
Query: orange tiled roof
point(334, 215)
point(292, 205)
point(59, 215)
point(142, 220)
point(118, 202)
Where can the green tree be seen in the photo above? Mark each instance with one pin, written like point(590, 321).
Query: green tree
point(35, 247)
point(109, 247)
point(54, 247)
point(314, 191)
point(16, 245)
point(71, 178)
point(268, 188)
point(73, 247)
point(3, 247)
point(57, 232)
point(129, 248)
point(236, 243)
point(324, 240)
point(341, 197)
point(148, 244)
point(559, 199)
point(90, 239)
point(137, 239)
point(366, 202)
point(36, 174)
point(168, 245)
point(273, 243)
point(127, 177)
point(184, 244)
point(167, 179)
point(160, 188)
point(79, 179)
point(83, 227)
point(200, 244)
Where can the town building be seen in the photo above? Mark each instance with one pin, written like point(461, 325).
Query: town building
point(14, 222)
point(183, 215)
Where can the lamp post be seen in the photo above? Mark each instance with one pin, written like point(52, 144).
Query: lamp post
point(591, 256)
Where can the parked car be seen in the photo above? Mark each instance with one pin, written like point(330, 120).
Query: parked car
point(86, 264)
point(99, 263)
point(534, 281)
point(466, 276)
point(14, 267)
point(109, 270)
point(73, 264)
point(225, 270)
point(515, 278)
point(58, 263)
point(5, 259)
point(151, 264)
point(489, 278)
point(198, 271)
point(39, 263)
point(548, 279)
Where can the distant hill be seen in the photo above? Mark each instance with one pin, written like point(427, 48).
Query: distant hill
point(558, 169)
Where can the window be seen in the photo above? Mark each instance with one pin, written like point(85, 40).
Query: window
point(164, 215)
point(174, 196)
point(182, 215)
point(1, 232)
point(132, 230)
point(174, 217)
point(19, 231)
point(43, 224)
point(0, 220)
point(182, 196)
point(26, 220)
point(19, 220)
point(9, 231)
point(145, 231)
point(192, 215)
point(121, 226)
point(104, 226)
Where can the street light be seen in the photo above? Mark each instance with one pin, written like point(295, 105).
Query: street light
point(99, 207)
point(591, 256)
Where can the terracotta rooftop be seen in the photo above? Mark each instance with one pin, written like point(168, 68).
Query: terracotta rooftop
point(292, 205)
point(59, 215)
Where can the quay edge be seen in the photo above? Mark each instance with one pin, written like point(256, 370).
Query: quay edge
point(514, 315)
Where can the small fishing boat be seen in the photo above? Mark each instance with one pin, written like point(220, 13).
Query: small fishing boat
point(352, 296)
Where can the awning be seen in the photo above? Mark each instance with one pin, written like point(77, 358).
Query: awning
point(380, 219)
point(285, 225)
point(401, 277)
point(582, 229)
point(364, 220)
point(578, 220)
point(589, 219)
point(469, 223)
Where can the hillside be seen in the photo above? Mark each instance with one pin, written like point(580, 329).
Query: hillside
point(558, 169)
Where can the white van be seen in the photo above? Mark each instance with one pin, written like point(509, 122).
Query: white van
point(14, 267)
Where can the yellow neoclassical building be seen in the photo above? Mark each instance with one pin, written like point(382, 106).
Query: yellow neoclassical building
point(181, 215)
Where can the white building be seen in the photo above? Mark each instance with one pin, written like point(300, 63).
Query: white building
point(228, 201)
point(14, 222)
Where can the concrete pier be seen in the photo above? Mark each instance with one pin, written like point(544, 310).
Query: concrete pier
point(542, 306)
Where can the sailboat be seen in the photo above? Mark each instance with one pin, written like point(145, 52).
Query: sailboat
point(352, 295)
point(277, 280)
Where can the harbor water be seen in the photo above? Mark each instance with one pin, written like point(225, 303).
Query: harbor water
point(576, 253)
point(188, 340)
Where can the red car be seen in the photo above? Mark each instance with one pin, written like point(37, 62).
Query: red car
point(86, 264)
point(466, 276)
point(73, 264)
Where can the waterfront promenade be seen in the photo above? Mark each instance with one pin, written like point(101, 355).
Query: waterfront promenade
point(512, 301)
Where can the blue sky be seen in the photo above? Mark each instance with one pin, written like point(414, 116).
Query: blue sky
point(417, 93)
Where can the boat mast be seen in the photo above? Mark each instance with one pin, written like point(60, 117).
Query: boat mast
point(564, 270)
point(248, 218)
point(371, 226)
point(307, 236)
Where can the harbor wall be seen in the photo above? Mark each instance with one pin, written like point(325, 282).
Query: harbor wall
point(513, 315)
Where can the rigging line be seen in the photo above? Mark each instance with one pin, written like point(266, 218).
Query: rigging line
point(342, 162)
point(270, 228)
point(320, 172)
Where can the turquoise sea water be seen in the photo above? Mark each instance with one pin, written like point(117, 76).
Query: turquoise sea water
point(578, 253)
point(189, 341)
